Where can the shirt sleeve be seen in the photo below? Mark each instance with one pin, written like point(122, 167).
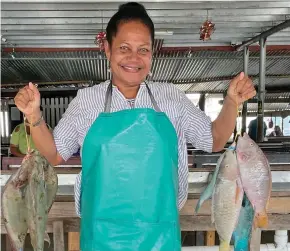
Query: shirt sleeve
point(14, 140)
point(66, 133)
point(197, 126)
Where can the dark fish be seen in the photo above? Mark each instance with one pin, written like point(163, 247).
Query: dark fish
point(243, 231)
point(26, 200)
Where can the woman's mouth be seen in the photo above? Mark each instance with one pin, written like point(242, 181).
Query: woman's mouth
point(131, 69)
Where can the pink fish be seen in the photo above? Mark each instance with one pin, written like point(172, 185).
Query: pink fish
point(256, 177)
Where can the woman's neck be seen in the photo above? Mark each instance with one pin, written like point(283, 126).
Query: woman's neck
point(129, 91)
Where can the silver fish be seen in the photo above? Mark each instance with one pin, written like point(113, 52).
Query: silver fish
point(227, 199)
point(208, 191)
point(256, 177)
point(26, 200)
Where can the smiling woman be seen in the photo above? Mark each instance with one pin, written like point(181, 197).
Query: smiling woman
point(130, 38)
point(132, 136)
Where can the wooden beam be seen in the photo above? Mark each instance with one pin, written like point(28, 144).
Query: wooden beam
point(255, 240)
point(73, 241)
point(203, 223)
point(210, 238)
point(58, 235)
point(187, 223)
point(8, 243)
point(277, 205)
point(199, 240)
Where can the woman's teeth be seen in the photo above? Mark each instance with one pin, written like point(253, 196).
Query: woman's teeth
point(131, 69)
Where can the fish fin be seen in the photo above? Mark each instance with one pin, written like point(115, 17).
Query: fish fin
point(198, 205)
point(262, 219)
point(239, 194)
point(33, 239)
point(224, 246)
point(46, 238)
point(255, 223)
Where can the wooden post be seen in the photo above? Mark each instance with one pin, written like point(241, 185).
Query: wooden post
point(210, 238)
point(8, 244)
point(199, 238)
point(58, 236)
point(73, 241)
point(255, 240)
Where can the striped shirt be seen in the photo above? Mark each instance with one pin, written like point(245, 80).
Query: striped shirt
point(191, 124)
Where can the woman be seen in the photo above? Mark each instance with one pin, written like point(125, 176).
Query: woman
point(133, 137)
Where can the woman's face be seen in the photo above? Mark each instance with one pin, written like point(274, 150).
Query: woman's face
point(130, 54)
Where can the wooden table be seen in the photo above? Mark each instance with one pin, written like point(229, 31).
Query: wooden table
point(63, 219)
point(16, 161)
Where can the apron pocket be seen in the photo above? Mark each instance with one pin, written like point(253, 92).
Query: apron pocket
point(111, 235)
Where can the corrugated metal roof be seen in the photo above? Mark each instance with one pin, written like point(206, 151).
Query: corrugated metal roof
point(269, 107)
point(75, 24)
point(279, 101)
point(205, 71)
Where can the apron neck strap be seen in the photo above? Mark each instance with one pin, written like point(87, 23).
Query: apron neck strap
point(108, 98)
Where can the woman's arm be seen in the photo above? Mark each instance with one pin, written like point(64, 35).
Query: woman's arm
point(43, 140)
point(241, 89)
point(212, 136)
point(15, 151)
point(63, 142)
point(224, 125)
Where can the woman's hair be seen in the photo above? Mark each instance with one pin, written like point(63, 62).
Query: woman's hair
point(131, 11)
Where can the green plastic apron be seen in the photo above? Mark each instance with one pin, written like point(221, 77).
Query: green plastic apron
point(130, 181)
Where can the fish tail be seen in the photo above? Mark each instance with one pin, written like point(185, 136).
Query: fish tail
point(198, 205)
point(262, 219)
point(224, 246)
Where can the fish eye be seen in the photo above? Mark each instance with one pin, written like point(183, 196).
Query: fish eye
point(251, 144)
point(226, 166)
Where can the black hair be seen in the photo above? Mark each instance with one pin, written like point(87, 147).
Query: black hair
point(131, 11)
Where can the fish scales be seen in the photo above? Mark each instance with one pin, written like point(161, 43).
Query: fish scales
point(26, 200)
point(256, 177)
point(227, 199)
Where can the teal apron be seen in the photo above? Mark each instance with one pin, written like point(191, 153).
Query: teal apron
point(130, 181)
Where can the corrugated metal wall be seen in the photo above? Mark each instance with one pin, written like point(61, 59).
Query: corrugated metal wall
point(53, 109)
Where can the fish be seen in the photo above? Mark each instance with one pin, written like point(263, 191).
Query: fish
point(208, 191)
point(256, 178)
point(243, 230)
point(26, 199)
point(227, 199)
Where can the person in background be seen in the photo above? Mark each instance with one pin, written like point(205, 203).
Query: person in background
point(18, 141)
point(132, 135)
point(277, 132)
point(253, 129)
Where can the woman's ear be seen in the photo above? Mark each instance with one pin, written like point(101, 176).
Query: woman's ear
point(107, 49)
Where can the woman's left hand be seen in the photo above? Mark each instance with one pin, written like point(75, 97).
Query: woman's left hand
point(241, 89)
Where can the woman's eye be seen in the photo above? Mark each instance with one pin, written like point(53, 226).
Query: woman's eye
point(124, 48)
point(144, 50)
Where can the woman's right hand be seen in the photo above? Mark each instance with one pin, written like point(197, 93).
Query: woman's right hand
point(27, 100)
